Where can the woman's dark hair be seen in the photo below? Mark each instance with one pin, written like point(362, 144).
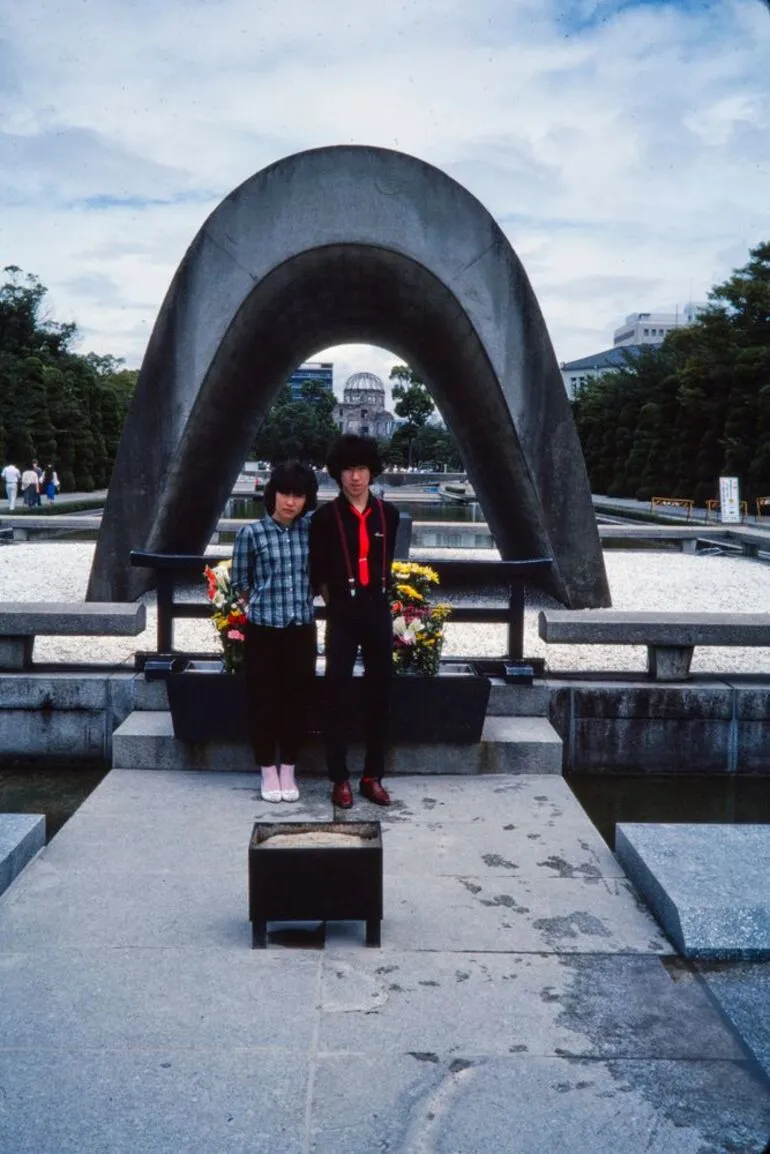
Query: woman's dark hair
point(350, 450)
point(295, 478)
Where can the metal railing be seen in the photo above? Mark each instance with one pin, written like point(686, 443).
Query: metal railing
point(509, 577)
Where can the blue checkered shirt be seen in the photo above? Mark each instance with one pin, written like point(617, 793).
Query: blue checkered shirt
point(270, 566)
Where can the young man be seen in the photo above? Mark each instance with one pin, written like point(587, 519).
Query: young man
point(352, 541)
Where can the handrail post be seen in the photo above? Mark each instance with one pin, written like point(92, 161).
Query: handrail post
point(165, 630)
point(516, 622)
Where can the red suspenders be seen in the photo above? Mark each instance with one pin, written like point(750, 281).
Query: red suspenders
point(346, 550)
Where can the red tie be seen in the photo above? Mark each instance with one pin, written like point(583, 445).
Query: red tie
point(363, 545)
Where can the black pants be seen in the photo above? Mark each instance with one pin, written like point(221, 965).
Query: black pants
point(363, 622)
point(280, 675)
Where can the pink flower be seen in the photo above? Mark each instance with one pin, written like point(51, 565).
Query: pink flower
point(235, 635)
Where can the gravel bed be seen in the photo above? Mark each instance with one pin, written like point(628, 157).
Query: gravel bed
point(643, 580)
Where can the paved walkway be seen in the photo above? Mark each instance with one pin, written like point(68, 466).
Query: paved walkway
point(522, 999)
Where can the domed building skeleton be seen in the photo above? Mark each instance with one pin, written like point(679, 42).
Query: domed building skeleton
point(362, 409)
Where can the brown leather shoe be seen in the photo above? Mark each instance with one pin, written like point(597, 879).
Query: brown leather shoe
point(342, 795)
point(373, 790)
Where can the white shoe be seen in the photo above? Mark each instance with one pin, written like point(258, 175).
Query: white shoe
point(289, 791)
point(273, 792)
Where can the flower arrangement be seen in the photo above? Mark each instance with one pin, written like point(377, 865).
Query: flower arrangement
point(418, 627)
point(228, 614)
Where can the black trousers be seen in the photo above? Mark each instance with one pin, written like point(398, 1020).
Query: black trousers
point(361, 623)
point(280, 676)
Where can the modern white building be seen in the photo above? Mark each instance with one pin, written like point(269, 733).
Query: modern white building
point(577, 374)
point(651, 328)
point(638, 329)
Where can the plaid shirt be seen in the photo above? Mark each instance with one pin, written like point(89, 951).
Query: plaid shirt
point(270, 565)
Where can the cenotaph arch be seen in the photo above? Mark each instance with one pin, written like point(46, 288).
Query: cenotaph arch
point(336, 245)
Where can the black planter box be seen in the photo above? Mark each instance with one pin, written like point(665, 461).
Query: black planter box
point(209, 705)
point(316, 883)
point(449, 708)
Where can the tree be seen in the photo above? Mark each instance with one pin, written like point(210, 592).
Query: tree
point(55, 405)
point(681, 415)
point(414, 404)
point(303, 429)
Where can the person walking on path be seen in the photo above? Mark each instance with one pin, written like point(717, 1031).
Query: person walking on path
point(29, 486)
point(40, 476)
point(11, 476)
point(50, 483)
point(352, 543)
point(270, 571)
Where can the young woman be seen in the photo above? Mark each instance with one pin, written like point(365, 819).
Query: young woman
point(270, 571)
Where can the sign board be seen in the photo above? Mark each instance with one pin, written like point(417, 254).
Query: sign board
point(729, 500)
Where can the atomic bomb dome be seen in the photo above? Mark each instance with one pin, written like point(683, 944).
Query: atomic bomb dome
point(363, 386)
point(363, 409)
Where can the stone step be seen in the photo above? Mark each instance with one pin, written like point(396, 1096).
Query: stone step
point(22, 836)
point(510, 745)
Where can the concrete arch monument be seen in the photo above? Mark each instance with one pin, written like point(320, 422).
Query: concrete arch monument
point(329, 246)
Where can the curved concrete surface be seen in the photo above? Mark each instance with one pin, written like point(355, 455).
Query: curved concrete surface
point(362, 245)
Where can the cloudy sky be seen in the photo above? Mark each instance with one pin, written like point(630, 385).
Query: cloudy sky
point(622, 145)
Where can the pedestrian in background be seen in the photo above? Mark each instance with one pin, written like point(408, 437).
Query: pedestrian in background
point(50, 483)
point(11, 476)
point(40, 475)
point(30, 486)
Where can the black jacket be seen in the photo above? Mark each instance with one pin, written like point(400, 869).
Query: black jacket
point(327, 556)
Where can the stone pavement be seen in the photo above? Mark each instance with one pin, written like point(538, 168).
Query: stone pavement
point(523, 1000)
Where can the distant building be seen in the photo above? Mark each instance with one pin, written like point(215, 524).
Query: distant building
point(637, 330)
point(651, 328)
point(320, 371)
point(577, 374)
point(362, 409)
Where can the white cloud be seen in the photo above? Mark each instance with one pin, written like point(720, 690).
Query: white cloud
point(623, 146)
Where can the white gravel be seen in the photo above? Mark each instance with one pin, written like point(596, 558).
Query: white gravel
point(58, 571)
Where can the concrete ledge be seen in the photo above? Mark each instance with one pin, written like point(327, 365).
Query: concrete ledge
point(669, 637)
point(60, 618)
point(21, 621)
point(705, 884)
point(22, 835)
point(619, 627)
point(510, 745)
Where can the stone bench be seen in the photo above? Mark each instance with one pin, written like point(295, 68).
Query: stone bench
point(22, 621)
point(669, 637)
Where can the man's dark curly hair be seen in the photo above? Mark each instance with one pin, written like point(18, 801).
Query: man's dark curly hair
point(350, 450)
point(295, 478)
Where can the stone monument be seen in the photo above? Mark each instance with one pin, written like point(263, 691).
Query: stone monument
point(335, 245)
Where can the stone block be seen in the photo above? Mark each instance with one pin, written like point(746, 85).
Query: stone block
point(669, 662)
point(640, 699)
point(49, 733)
point(753, 754)
point(145, 740)
point(651, 745)
point(16, 652)
point(22, 835)
point(705, 884)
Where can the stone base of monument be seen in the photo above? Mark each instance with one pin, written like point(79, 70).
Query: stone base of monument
point(707, 885)
point(22, 835)
point(315, 871)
